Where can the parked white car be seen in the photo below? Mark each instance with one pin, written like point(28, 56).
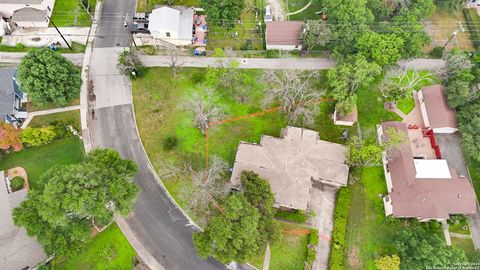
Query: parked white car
point(268, 14)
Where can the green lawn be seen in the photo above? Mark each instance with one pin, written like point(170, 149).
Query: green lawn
point(370, 107)
point(307, 14)
point(76, 48)
point(108, 250)
point(458, 227)
point(369, 232)
point(159, 115)
point(406, 105)
point(467, 245)
point(68, 13)
point(33, 108)
point(37, 160)
point(288, 253)
point(474, 169)
point(69, 117)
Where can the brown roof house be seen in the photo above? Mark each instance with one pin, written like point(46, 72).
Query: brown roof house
point(420, 184)
point(17, 249)
point(284, 35)
point(292, 164)
point(436, 113)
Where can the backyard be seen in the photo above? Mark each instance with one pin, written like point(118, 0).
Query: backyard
point(108, 250)
point(68, 13)
point(37, 160)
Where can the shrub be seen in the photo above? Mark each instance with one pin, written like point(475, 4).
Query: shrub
point(272, 53)
point(38, 136)
point(311, 249)
point(437, 52)
point(337, 254)
point(295, 216)
point(17, 183)
point(169, 143)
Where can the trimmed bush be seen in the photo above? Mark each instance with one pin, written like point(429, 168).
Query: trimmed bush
point(295, 216)
point(337, 254)
point(311, 249)
point(169, 143)
point(38, 136)
point(17, 183)
point(437, 52)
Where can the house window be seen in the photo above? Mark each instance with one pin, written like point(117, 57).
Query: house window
point(168, 34)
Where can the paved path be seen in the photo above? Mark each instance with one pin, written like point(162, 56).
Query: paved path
point(322, 202)
point(16, 57)
point(422, 63)
point(276, 7)
point(459, 235)
point(261, 63)
point(275, 63)
point(51, 111)
point(266, 260)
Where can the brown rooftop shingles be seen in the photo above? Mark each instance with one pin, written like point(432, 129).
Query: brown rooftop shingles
point(425, 198)
point(439, 114)
point(283, 32)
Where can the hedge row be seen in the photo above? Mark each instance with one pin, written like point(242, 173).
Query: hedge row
point(311, 249)
point(337, 253)
point(473, 26)
point(295, 216)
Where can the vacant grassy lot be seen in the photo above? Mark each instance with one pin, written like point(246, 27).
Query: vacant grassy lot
point(37, 160)
point(289, 252)
point(158, 108)
point(69, 118)
point(68, 13)
point(108, 250)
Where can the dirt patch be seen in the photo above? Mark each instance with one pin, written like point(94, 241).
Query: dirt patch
point(353, 259)
point(297, 232)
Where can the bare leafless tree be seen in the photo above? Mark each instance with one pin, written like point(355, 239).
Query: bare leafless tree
point(201, 103)
point(167, 169)
point(173, 60)
point(86, 6)
point(454, 62)
point(207, 187)
point(295, 91)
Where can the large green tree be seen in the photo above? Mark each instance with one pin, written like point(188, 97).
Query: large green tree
point(232, 234)
point(259, 194)
point(74, 197)
point(411, 31)
point(223, 12)
point(419, 249)
point(316, 33)
point(348, 20)
point(469, 119)
point(383, 49)
point(47, 77)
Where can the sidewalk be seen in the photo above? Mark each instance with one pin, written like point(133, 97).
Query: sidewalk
point(51, 111)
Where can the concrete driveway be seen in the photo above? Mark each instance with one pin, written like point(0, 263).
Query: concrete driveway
point(322, 202)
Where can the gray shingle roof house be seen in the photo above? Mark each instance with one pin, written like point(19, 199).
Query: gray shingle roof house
point(11, 97)
point(17, 249)
point(292, 164)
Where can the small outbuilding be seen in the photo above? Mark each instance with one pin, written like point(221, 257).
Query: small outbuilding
point(345, 119)
point(284, 35)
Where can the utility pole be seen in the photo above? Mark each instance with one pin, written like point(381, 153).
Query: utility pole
point(59, 32)
point(450, 39)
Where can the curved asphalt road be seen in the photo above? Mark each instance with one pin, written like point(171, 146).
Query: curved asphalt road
point(157, 228)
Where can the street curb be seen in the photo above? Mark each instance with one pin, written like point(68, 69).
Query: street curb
point(155, 173)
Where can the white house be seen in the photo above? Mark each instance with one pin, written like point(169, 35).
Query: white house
point(173, 25)
point(284, 35)
point(27, 13)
